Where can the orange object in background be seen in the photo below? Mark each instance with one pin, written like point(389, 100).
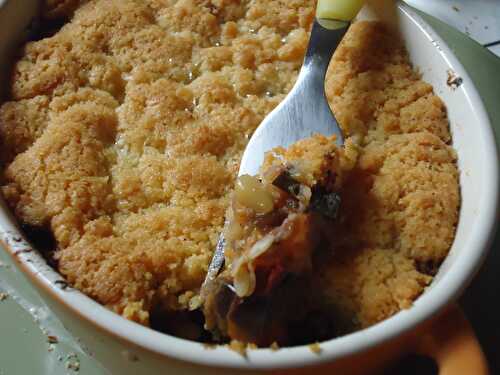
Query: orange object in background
point(447, 345)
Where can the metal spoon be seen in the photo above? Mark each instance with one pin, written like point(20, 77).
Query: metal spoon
point(304, 112)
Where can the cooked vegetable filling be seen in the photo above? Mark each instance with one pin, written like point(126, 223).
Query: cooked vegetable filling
point(270, 252)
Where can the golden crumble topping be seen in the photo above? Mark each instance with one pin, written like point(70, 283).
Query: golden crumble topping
point(124, 130)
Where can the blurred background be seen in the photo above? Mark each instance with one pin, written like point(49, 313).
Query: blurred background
point(479, 19)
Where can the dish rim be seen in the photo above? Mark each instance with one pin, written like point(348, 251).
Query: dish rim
point(429, 304)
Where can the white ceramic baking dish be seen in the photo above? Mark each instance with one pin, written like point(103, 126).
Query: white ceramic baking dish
point(478, 161)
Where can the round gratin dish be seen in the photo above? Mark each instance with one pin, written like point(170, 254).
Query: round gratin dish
point(478, 162)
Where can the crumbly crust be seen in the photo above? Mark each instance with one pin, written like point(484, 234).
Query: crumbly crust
point(123, 134)
point(314, 157)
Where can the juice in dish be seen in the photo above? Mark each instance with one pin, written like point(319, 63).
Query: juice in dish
point(122, 134)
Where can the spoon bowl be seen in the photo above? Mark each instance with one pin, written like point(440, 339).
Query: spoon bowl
point(305, 111)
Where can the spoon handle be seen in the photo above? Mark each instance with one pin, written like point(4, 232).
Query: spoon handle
point(344, 10)
point(325, 38)
point(333, 18)
point(309, 90)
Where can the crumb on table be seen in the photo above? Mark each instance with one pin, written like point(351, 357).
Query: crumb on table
point(315, 348)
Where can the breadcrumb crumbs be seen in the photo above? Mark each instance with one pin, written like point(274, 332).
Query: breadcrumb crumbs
point(72, 362)
point(238, 347)
point(52, 339)
point(315, 348)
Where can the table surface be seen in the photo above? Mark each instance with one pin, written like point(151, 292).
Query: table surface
point(26, 321)
point(479, 19)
